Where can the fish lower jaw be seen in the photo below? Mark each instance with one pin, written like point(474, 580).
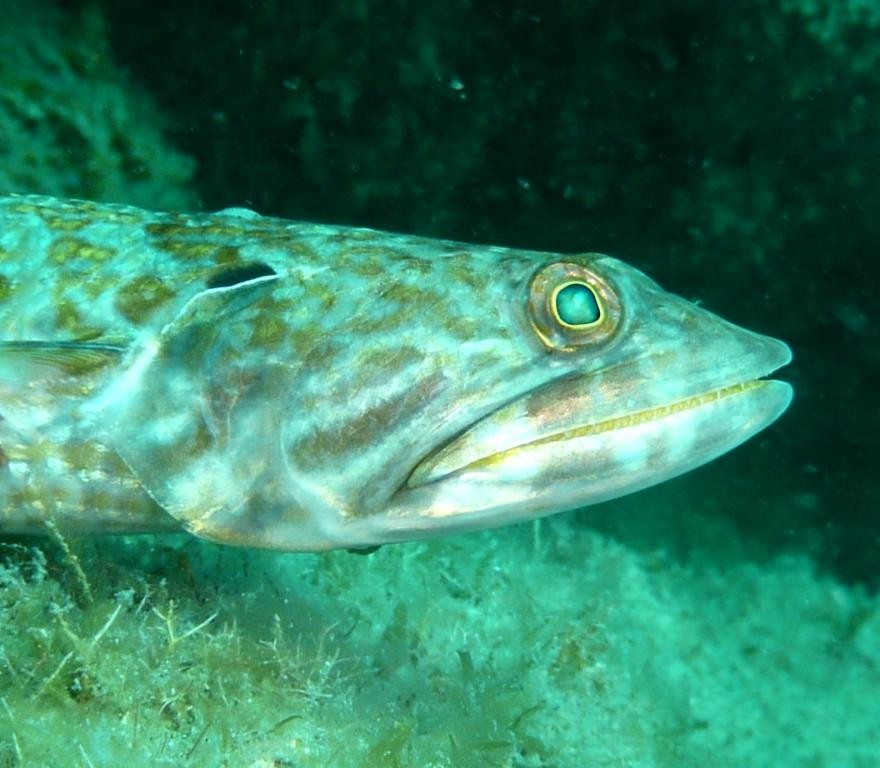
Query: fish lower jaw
point(771, 398)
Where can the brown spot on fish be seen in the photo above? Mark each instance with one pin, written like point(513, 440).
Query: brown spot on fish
point(461, 269)
point(228, 254)
point(139, 298)
point(70, 248)
point(268, 331)
point(185, 249)
point(461, 327)
point(405, 295)
point(220, 230)
point(165, 229)
point(68, 224)
point(415, 264)
point(68, 317)
point(376, 365)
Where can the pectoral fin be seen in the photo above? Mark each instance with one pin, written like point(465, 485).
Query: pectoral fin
point(39, 380)
point(24, 363)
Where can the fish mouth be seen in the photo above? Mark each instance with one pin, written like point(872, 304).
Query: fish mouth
point(748, 400)
point(631, 419)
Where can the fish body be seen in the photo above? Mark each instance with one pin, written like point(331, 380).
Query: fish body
point(270, 383)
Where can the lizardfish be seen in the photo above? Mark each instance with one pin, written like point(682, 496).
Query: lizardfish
point(270, 383)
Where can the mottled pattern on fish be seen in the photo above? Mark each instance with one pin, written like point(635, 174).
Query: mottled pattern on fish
point(303, 386)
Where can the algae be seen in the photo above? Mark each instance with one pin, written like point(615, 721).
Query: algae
point(541, 645)
point(72, 123)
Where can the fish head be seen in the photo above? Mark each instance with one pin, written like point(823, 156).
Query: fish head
point(641, 385)
point(435, 391)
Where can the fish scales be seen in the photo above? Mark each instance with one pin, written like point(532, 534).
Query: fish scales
point(297, 386)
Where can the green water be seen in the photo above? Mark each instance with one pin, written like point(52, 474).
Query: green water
point(728, 618)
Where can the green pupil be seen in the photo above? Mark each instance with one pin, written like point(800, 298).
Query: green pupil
point(576, 304)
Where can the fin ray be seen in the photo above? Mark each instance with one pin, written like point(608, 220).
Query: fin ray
point(24, 363)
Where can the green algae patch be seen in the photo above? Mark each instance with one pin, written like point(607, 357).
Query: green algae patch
point(543, 645)
point(72, 122)
point(146, 664)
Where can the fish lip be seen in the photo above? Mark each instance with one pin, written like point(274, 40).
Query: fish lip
point(782, 357)
point(777, 355)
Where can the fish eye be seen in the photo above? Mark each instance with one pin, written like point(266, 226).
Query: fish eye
point(576, 305)
point(572, 305)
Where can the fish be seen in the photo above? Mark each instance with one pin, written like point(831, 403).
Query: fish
point(298, 386)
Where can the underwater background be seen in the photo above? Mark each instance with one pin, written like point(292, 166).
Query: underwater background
point(727, 618)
